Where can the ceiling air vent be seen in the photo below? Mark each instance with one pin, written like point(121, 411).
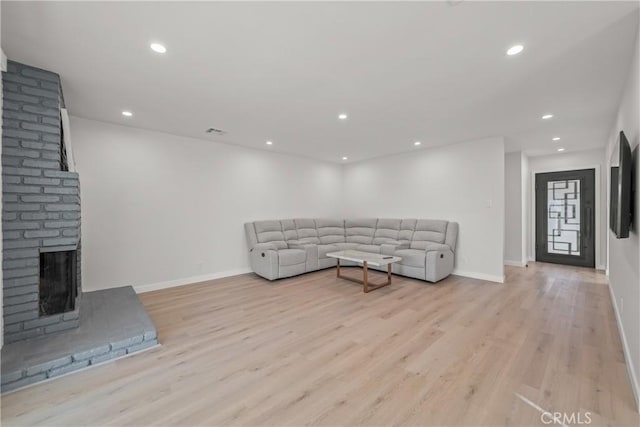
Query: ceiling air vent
point(215, 131)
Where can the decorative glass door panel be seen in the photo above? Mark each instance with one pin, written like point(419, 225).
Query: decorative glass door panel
point(565, 217)
point(563, 222)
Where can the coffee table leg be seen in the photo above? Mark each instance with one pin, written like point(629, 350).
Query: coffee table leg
point(388, 274)
point(338, 269)
point(365, 280)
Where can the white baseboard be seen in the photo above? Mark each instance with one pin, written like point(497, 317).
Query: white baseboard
point(481, 276)
point(515, 263)
point(189, 280)
point(631, 373)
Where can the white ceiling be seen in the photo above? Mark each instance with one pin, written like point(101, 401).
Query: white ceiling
point(433, 72)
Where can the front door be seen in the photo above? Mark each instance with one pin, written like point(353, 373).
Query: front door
point(565, 217)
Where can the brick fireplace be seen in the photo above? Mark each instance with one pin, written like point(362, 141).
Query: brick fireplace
point(41, 209)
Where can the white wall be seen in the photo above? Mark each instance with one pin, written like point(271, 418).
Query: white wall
point(586, 159)
point(455, 182)
point(162, 208)
point(513, 197)
point(624, 254)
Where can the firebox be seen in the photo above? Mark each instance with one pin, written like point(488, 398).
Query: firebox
point(58, 282)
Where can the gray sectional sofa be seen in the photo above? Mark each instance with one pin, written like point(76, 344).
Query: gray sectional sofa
point(285, 248)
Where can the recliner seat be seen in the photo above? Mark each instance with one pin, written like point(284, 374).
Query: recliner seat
point(285, 248)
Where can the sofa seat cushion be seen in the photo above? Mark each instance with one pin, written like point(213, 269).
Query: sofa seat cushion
point(323, 250)
point(412, 257)
point(346, 246)
point(291, 256)
point(375, 249)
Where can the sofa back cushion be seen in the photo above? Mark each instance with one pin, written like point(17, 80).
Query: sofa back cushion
point(306, 228)
point(270, 232)
point(330, 231)
point(407, 228)
point(360, 230)
point(428, 231)
point(289, 229)
point(386, 230)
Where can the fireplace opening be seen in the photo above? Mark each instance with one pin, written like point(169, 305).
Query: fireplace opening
point(58, 282)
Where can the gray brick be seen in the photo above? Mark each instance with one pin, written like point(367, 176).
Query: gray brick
point(50, 121)
point(70, 232)
point(21, 281)
point(22, 189)
point(23, 382)
point(12, 161)
point(36, 234)
point(88, 354)
point(20, 207)
point(9, 198)
point(10, 105)
point(62, 326)
point(20, 152)
point(41, 92)
point(33, 216)
point(10, 87)
point(20, 272)
point(71, 215)
point(18, 97)
point(41, 128)
point(54, 141)
point(61, 207)
point(11, 235)
point(42, 321)
point(61, 224)
point(13, 180)
point(21, 244)
point(17, 115)
point(19, 254)
point(108, 356)
point(16, 78)
point(50, 155)
point(40, 74)
point(141, 346)
point(44, 164)
point(21, 263)
point(11, 124)
point(40, 199)
point(127, 342)
point(51, 103)
point(37, 109)
point(22, 171)
point(61, 174)
point(46, 366)
point(68, 368)
point(20, 226)
point(42, 181)
point(11, 142)
point(21, 317)
point(10, 377)
point(20, 299)
point(59, 241)
point(71, 315)
point(20, 308)
point(21, 290)
point(69, 182)
point(49, 86)
point(10, 216)
point(59, 190)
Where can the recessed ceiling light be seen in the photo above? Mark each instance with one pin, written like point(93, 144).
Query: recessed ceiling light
point(514, 50)
point(157, 47)
point(556, 138)
point(127, 113)
point(342, 116)
point(417, 143)
point(560, 149)
point(547, 116)
point(269, 143)
point(345, 158)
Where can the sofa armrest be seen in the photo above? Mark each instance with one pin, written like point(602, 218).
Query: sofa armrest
point(435, 247)
point(264, 247)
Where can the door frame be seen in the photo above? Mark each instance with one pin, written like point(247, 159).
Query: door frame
point(600, 265)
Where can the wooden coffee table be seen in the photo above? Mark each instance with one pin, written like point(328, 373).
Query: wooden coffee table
point(366, 259)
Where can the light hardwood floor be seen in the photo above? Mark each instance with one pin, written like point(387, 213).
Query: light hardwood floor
point(316, 350)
